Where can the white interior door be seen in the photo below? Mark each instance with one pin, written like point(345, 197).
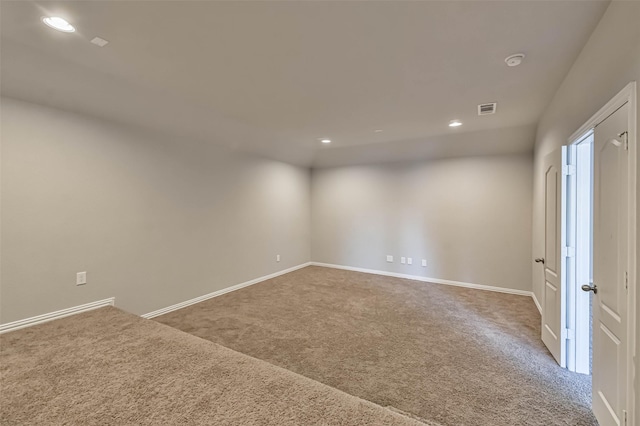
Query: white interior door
point(579, 312)
point(553, 306)
point(610, 266)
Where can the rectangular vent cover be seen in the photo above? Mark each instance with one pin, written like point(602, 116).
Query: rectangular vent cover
point(486, 109)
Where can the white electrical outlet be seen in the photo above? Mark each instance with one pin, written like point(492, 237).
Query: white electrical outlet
point(409, 261)
point(389, 258)
point(277, 258)
point(81, 278)
point(403, 260)
point(424, 262)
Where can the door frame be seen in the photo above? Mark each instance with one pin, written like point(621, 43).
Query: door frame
point(626, 95)
point(579, 225)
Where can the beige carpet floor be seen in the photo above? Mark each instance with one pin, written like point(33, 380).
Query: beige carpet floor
point(452, 355)
point(107, 367)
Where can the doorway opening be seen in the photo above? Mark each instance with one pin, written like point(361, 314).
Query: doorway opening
point(579, 256)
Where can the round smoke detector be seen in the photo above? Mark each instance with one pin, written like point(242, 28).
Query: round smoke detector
point(514, 60)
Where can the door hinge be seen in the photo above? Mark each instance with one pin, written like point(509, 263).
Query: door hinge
point(624, 417)
point(625, 135)
point(568, 251)
point(568, 334)
point(626, 280)
point(568, 170)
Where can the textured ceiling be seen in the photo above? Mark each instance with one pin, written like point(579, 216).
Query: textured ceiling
point(273, 77)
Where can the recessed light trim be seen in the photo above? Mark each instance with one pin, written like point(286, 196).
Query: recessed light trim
point(325, 140)
point(455, 123)
point(58, 23)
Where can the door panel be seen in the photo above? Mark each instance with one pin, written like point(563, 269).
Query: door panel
point(553, 311)
point(610, 260)
point(552, 181)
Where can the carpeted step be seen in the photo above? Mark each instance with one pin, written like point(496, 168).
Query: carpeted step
point(108, 367)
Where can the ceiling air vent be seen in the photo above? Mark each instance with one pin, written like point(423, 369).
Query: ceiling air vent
point(486, 109)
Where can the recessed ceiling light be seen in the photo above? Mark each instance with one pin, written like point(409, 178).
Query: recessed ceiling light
point(378, 131)
point(455, 123)
point(325, 140)
point(58, 23)
point(514, 60)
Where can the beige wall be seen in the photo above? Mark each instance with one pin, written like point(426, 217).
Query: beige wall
point(609, 61)
point(153, 221)
point(469, 217)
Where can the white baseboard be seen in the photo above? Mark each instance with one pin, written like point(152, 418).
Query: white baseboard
point(217, 293)
point(427, 279)
point(535, 300)
point(28, 322)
